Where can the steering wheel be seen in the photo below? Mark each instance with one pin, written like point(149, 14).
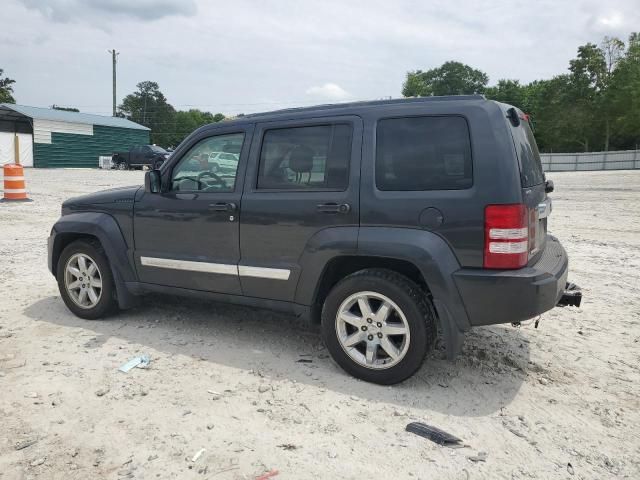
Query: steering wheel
point(217, 178)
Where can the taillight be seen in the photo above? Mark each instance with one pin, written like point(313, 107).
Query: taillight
point(506, 236)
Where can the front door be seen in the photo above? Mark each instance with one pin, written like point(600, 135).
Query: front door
point(188, 236)
point(303, 180)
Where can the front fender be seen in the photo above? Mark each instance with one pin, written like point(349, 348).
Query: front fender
point(100, 225)
point(105, 228)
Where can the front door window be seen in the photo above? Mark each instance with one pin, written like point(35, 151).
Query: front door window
point(210, 166)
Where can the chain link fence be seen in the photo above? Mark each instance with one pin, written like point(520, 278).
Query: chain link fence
point(570, 162)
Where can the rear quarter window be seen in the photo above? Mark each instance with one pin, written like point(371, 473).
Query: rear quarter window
point(423, 153)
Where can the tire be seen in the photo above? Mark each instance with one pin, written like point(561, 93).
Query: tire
point(158, 164)
point(410, 312)
point(93, 253)
point(123, 166)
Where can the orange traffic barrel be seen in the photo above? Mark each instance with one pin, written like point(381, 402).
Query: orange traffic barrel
point(14, 187)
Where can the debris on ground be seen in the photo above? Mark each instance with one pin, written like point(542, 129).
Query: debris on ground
point(288, 446)
point(102, 391)
point(38, 461)
point(140, 362)
point(25, 443)
point(434, 434)
point(570, 468)
point(266, 476)
point(198, 454)
point(479, 457)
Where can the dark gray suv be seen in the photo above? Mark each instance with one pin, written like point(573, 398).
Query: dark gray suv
point(385, 221)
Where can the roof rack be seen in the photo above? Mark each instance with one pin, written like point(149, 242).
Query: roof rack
point(368, 103)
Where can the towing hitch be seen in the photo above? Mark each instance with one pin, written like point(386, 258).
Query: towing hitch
point(571, 297)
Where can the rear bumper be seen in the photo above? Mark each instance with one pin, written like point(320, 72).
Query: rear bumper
point(506, 296)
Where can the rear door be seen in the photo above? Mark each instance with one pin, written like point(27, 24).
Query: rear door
point(303, 178)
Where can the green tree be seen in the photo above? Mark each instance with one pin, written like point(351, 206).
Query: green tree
point(188, 121)
point(149, 107)
point(6, 89)
point(624, 95)
point(509, 91)
point(451, 78)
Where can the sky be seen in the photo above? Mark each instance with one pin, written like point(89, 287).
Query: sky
point(250, 55)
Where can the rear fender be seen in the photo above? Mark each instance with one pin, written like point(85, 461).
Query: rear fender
point(433, 256)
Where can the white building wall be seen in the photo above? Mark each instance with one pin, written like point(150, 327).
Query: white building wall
point(42, 129)
point(7, 148)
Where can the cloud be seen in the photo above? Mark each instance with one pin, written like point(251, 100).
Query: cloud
point(329, 91)
point(66, 11)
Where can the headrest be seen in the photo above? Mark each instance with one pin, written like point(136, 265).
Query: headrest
point(301, 159)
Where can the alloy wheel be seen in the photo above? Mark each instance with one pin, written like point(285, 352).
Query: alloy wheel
point(83, 280)
point(372, 330)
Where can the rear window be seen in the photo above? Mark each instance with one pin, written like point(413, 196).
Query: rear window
point(423, 153)
point(530, 165)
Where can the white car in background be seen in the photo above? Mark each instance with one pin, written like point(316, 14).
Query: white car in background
point(223, 162)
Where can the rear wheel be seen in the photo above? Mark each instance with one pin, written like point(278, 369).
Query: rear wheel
point(378, 326)
point(158, 164)
point(85, 280)
point(122, 166)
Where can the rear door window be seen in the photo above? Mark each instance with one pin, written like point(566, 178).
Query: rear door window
point(423, 153)
point(306, 158)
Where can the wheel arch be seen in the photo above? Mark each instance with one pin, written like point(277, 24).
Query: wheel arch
point(422, 256)
point(104, 229)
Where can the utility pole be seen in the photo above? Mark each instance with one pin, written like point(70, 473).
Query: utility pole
point(114, 56)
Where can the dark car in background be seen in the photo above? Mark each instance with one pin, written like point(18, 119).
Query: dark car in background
point(151, 156)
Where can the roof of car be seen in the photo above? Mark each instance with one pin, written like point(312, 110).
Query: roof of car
point(352, 107)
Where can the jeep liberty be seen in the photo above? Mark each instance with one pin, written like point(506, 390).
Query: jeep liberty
point(385, 221)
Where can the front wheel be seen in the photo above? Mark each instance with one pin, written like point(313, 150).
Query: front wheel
point(158, 164)
point(122, 166)
point(85, 280)
point(378, 326)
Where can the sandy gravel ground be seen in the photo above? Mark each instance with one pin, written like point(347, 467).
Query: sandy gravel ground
point(557, 402)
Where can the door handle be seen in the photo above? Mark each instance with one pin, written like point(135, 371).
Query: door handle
point(223, 207)
point(334, 208)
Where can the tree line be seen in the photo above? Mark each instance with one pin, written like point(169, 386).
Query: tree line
point(149, 107)
point(594, 106)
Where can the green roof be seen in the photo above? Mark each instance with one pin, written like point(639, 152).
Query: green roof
point(40, 113)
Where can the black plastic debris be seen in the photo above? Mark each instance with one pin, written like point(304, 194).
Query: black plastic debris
point(434, 434)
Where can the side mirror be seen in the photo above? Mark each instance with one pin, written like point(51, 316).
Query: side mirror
point(548, 186)
point(152, 181)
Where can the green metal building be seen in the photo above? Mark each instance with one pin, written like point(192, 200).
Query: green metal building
point(64, 139)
